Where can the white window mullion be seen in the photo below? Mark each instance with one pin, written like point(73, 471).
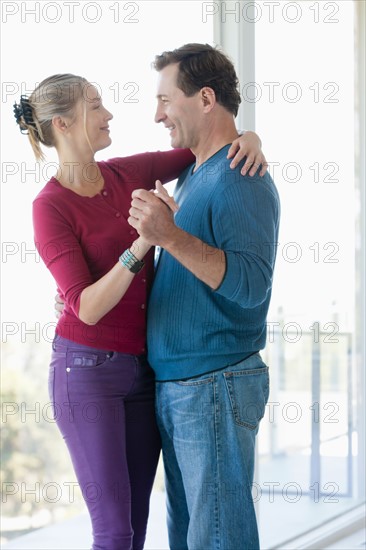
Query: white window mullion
point(236, 35)
point(360, 177)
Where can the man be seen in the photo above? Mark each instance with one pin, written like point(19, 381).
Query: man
point(208, 307)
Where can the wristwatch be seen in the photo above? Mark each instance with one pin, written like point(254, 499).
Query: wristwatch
point(129, 260)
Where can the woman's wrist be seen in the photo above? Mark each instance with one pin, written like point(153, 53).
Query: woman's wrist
point(139, 248)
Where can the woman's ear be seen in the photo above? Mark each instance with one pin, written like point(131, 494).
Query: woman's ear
point(59, 124)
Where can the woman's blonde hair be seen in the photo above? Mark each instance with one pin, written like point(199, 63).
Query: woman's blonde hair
point(54, 96)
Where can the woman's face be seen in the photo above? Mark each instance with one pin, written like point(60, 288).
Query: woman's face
point(91, 124)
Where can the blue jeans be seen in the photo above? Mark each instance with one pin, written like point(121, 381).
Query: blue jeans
point(208, 426)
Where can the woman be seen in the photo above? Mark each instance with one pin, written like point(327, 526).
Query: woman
point(100, 383)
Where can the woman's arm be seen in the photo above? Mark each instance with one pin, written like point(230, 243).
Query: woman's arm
point(168, 165)
point(99, 298)
point(248, 145)
point(63, 255)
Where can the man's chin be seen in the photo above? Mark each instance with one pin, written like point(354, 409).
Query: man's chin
point(176, 144)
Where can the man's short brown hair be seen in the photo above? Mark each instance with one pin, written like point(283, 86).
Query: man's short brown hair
point(202, 65)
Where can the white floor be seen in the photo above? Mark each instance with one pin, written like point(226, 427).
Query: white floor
point(74, 534)
point(356, 541)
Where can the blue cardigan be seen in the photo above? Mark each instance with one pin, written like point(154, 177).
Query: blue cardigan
point(192, 329)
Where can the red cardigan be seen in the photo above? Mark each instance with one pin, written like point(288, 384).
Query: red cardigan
point(80, 240)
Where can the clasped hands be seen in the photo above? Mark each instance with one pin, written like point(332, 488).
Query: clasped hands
point(152, 214)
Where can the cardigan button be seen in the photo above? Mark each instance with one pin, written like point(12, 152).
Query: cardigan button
point(118, 214)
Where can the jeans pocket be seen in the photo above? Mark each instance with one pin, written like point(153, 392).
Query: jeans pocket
point(80, 359)
point(248, 392)
point(193, 382)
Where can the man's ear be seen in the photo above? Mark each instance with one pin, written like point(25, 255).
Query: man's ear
point(208, 98)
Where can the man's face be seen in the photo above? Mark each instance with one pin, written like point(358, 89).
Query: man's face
point(179, 113)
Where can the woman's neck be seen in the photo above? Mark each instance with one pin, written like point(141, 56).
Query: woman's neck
point(81, 176)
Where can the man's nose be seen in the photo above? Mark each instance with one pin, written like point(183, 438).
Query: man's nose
point(159, 115)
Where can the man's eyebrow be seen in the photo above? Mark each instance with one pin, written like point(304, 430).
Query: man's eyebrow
point(159, 96)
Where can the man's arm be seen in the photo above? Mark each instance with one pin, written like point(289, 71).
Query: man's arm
point(241, 268)
point(154, 221)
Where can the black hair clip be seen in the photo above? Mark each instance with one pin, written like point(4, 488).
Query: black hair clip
point(23, 111)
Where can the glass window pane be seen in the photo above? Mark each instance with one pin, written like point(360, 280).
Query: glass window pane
point(304, 96)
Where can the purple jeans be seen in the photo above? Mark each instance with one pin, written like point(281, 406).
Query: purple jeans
point(104, 407)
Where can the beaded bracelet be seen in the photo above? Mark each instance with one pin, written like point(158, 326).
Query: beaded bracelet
point(129, 260)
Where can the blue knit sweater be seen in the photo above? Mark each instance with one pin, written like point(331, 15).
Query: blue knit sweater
point(192, 329)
